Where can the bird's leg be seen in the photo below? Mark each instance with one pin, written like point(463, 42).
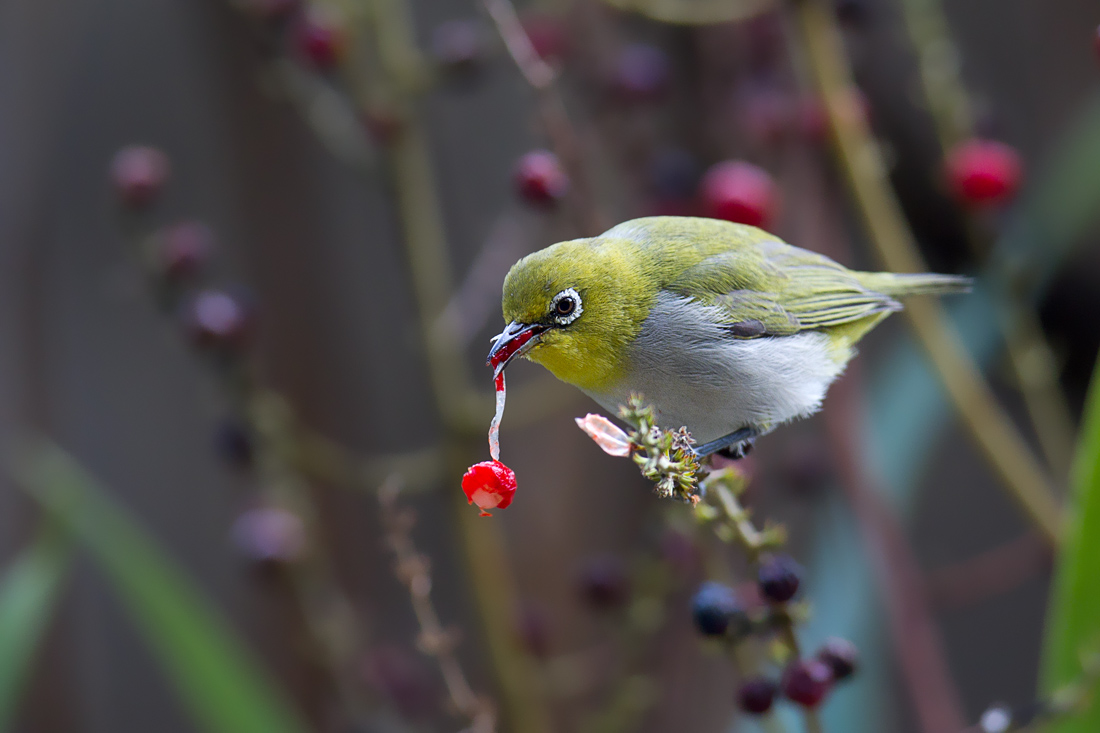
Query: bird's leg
point(738, 443)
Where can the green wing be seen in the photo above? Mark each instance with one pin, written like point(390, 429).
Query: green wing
point(766, 287)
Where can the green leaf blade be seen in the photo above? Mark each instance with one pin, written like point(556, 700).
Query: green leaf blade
point(217, 679)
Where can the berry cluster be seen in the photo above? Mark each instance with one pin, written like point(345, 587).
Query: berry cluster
point(719, 612)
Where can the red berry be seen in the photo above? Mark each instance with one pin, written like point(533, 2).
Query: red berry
point(756, 696)
point(182, 250)
point(540, 178)
point(739, 192)
point(547, 35)
point(983, 172)
point(216, 318)
point(490, 485)
point(319, 39)
point(778, 577)
point(841, 655)
point(642, 73)
point(139, 173)
point(807, 681)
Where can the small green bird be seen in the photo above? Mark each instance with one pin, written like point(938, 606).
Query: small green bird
point(723, 328)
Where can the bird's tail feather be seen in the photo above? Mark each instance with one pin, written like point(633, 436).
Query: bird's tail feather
point(901, 285)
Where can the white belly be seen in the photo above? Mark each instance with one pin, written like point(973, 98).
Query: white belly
point(696, 375)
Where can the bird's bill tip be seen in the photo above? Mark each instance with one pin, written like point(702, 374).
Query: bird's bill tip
point(515, 340)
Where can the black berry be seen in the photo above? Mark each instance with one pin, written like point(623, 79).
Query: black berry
point(779, 577)
point(756, 696)
point(841, 655)
point(715, 608)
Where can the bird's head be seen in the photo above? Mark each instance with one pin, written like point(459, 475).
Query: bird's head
point(574, 307)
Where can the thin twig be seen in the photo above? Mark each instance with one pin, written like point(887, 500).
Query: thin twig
point(412, 568)
point(990, 427)
point(555, 119)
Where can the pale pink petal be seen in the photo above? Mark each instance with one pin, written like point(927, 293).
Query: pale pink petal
point(607, 434)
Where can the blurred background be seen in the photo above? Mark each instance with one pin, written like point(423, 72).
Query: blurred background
point(252, 254)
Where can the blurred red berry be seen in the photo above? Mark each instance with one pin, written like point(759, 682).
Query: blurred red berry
point(604, 582)
point(755, 697)
point(183, 250)
point(459, 45)
point(270, 534)
point(807, 681)
point(642, 73)
point(841, 655)
point(216, 318)
point(490, 485)
point(319, 39)
point(983, 172)
point(540, 178)
point(547, 35)
point(139, 173)
point(740, 192)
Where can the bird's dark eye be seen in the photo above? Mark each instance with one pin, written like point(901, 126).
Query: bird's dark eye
point(565, 306)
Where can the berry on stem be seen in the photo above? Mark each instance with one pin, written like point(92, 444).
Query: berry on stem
point(216, 318)
point(642, 73)
point(540, 179)
point(139, 173)
point(604, 583)
point(756, 696)
point(183, 250)
point(459, 45)
point(807, 681)
point(841, 655)
point(739, 192)
point(779, 577)
point(983, 172)
point(715, 607)
point(490, 485)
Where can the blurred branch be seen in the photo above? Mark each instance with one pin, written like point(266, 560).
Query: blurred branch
point(429, 265)
point(916, 639)
point(413, 570)
point(989, 573)
point(991, 428)
point(1029, 353)
point(589, 219)
point(695, 12)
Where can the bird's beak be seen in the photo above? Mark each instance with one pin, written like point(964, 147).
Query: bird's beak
point(516, 340)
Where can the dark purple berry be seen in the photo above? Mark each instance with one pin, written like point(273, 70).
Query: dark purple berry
point(756, 696)
point(270, 534)
point(642, 73)
point(604, 583)
point(807, 681)
point(233, 443)
point(841, 655)
point(715, 608)
point(779, 577)
point(139, 173)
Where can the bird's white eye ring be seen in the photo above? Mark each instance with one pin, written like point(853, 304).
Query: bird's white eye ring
point(566, 307)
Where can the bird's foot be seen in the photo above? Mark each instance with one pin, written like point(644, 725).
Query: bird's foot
point(737, 450)
point(735, 445)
